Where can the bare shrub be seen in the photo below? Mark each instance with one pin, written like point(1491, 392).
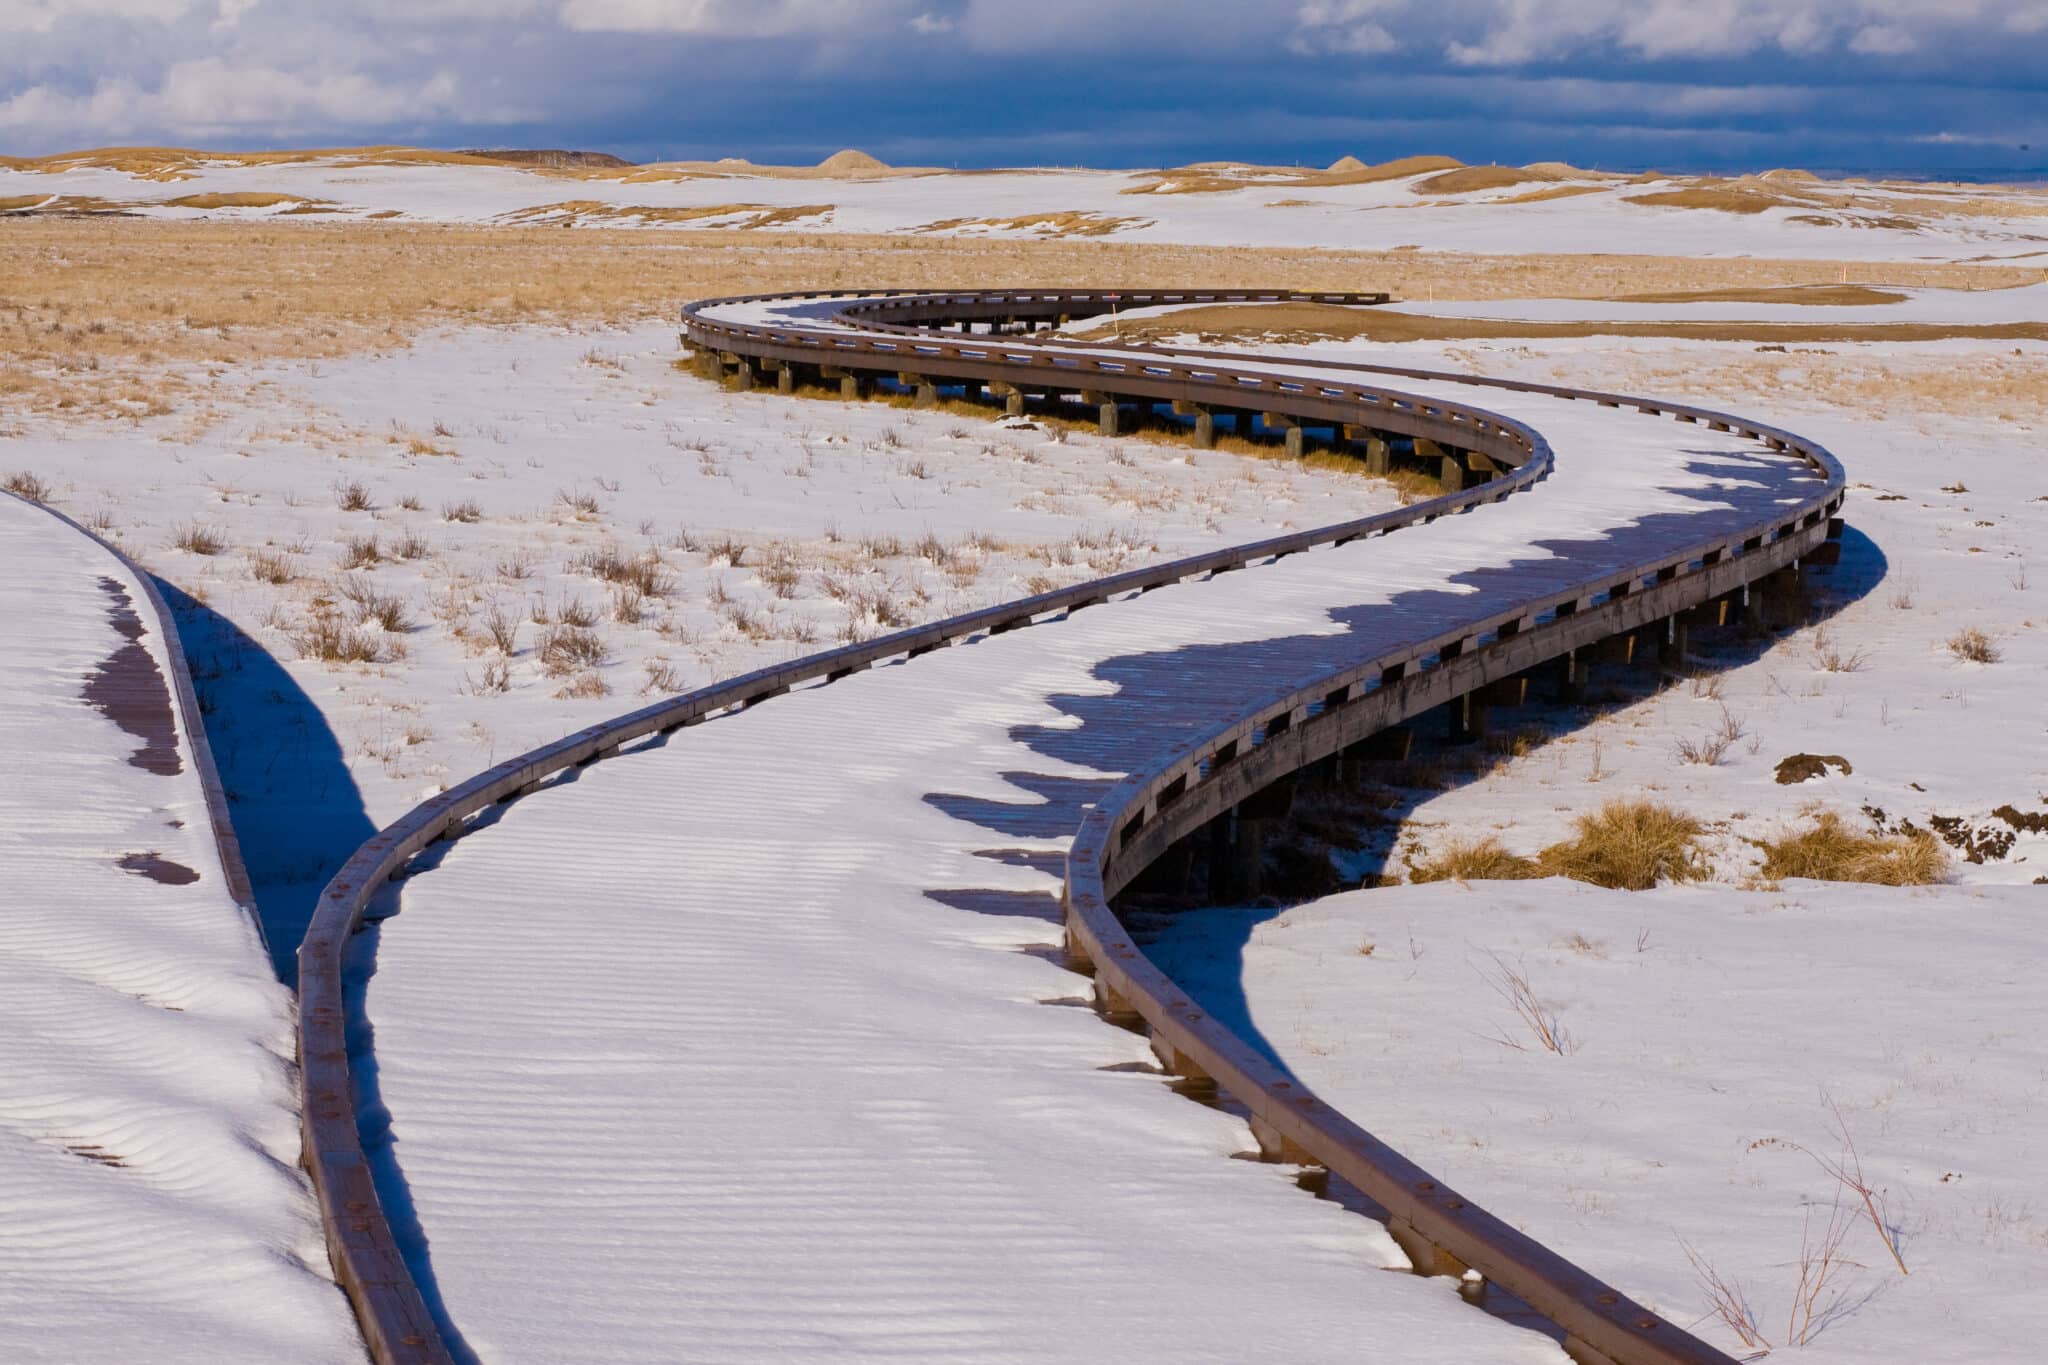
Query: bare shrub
point(727, 550)
point(515, 567)
point(410, 502)
point(198, 539)
point(1537, 1016)
point(503, 629)
point(574, 611)
point(1828, 850)
point(351, 496)
point(1831, 657)
point(465, 511)
point(411, 545)
point(1726, 1301)
point(578, 502)
point(629, 605)
point(1973, 646)
point(1711, 748)
point(24, 484)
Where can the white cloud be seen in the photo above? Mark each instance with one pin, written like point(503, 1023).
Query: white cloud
point(931, 23)
point(721, 18)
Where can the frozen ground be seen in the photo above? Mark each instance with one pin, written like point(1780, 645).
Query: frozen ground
point(1709, 1031)
point(1594, 215)
point(153, 1206)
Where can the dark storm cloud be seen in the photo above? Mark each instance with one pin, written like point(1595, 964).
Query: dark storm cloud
point(1698, 83)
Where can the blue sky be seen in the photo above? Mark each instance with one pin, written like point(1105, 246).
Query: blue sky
point(1674, 84)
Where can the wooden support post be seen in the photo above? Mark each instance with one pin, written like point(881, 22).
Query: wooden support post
point(1616, 649)
point(785, 379)
point(1425, 1256)
point(1467, 719)
point(743, 377)
point(927, 392)
point(1572, 673)
point(1108, 414)
point(1379, 456)
point(1205, 422)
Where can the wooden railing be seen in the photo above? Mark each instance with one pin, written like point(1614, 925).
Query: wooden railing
point(1144, 814)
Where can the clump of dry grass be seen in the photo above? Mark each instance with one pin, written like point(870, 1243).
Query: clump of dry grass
point(1973, 646)
point(24, 484)
point(350, 495)
point(271, 566)
point(1629, 845)
point(385, 610)
point(569, 649)
point(1473, 860)
point(503, 629)
point(643, 574)
point(362, 552)
point(196, 538)
point(1828, 850)
point(328, 638)
point(465, 511)
point(1711, 748)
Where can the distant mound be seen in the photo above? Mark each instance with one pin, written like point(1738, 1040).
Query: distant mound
point(1414, 165)
point(1344, 165)
point(1467, 179)
point(554, 158)
point(852, 162)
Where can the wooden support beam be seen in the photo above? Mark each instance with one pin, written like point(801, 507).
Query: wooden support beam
point(927, 392)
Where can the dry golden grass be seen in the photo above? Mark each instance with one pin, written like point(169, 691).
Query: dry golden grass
point(1212, 177)
point(1467, 179)
point(1827, 850)
point(1628, 845)
point(1301, 322)
point(1554, 192)
point(115, 316)
point(751, 217)
point(1067, 223)
point(241, 199)
point(1473, 860)
point(1811, 295)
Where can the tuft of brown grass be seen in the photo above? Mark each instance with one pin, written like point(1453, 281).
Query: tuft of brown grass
point(569, 649)
point(465, 511)
point(24, 484)
point(1484, 859)
point(195, 538)
point(1973, 646)
point(351, 496)
point(1827, 850)
point(271, 566)
point(1629, 845)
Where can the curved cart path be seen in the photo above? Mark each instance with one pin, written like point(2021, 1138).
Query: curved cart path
point(150, 1202)
point(754, 1044)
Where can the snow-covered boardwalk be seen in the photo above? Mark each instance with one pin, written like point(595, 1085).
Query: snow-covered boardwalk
point(150, 1202)
point(753, 1044)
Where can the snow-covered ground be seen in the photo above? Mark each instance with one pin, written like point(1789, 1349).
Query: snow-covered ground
point(1716, 1029)
point(151, 1205)
point(1590, 214)
point(572, 443)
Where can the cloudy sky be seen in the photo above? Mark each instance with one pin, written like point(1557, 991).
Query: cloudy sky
point(1674, 84)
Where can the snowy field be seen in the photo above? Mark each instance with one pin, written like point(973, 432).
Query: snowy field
point(1559, 207)
point(153, 1206)
point(399, 565)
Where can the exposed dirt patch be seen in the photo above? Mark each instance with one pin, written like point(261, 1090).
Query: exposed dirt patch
point(158, 868)
point(1806, 767)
